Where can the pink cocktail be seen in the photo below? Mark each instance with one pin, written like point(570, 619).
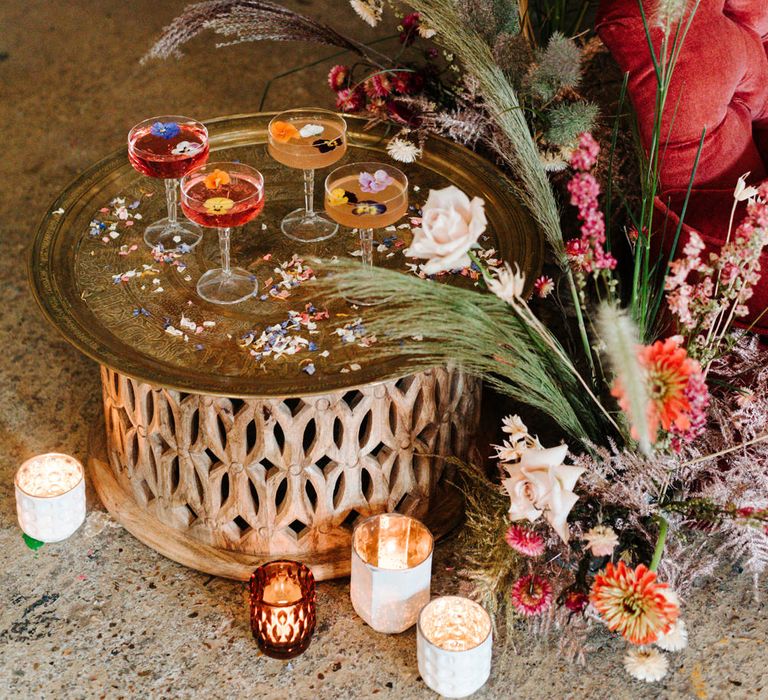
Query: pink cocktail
point(223, 195)
point(168, 148)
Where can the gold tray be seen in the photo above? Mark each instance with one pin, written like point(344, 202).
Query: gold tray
point(122, 325)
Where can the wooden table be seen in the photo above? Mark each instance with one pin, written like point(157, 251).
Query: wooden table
point(220, 457)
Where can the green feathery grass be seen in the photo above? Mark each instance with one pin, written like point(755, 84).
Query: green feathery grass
point(429, 324)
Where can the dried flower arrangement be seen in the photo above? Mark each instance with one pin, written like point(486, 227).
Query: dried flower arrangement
point(666, 430)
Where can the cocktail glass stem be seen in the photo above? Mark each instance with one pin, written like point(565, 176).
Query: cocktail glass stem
point(366, 247)
point(224, 237)
point(309, 191)
point(172, 200)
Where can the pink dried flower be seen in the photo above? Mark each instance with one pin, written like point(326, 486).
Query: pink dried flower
point(410, 25)
point(349, 100)
point(338, 77)
point(378, 85)
point(524, 540)
point(585, 155)
point(544, 286)
point(576, 601)
point(531, 595)
point(589, 254)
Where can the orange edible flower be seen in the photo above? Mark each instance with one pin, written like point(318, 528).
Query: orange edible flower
point(216, 179)
point(283, 132)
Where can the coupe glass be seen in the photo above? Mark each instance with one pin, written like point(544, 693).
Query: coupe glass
point(220, 196)
point(366, 196)
point(169, 147)
point(307, 139)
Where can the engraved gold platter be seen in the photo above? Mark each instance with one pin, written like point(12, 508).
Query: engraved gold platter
point(123, 325)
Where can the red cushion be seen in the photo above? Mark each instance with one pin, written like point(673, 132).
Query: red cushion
point(721, 83)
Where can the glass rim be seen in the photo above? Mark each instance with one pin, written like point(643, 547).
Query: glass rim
point(299, 110)
point(361, 166)
point(214, 166)
point(169, 117)
point(80, 469)
point(371, 518)
point(454, 651)
point(306, 595)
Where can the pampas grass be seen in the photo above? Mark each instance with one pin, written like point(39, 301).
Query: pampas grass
point(621, 342)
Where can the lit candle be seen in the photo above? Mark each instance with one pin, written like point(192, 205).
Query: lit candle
point(391, 571)
point(283, 614)
point(454, 644)
point(50, 496)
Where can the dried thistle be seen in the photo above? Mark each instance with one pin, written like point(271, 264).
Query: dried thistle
point(567, 120)
point(557, 67)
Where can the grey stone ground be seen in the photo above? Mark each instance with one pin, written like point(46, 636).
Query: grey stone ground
point(103, 616)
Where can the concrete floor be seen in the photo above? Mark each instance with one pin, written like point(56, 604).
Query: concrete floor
point(100, 615)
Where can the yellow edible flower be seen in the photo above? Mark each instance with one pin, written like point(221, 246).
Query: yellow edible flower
point(218, 205)
point(338, 197)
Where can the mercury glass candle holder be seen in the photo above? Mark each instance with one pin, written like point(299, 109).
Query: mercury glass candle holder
point(391, 571)
point(283, 617)
point(50, 496)
point(454, 643)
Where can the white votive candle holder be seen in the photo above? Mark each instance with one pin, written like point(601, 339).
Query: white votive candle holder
point(454, 641)
point(391, 571)
point(50, 496)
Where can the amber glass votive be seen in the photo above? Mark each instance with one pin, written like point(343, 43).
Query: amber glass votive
point(282, 608)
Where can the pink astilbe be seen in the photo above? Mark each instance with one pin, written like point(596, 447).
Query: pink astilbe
point(587, 253)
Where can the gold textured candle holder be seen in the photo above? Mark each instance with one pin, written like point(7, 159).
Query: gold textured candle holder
point(282, 601)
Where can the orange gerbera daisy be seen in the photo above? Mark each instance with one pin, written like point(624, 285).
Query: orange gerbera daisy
point(669, 372)
point(216, 179)
point(633, 603)
point(283, 132)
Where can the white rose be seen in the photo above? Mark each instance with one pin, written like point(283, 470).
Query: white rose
point(450, 225)
point(540, 484)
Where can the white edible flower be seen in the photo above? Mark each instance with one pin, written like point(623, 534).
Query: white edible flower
point(403, 150)
point(310, 130)
point(368, 10)
point(540, 484)
point(741, 191)
point(508, 284)
point(451, 224)
point(601, 540)
point(646, 664)
point(674, 640)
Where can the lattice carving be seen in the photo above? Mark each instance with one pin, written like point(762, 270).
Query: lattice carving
point(287, 476)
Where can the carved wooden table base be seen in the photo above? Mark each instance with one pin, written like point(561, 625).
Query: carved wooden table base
point(221, 484)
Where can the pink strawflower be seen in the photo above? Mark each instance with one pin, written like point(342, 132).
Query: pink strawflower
point(531, 595)
point(524, 540)
point(405, 83)
point(378, 85)
point(544, 286)
point(349, 100)
point(338, 77)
